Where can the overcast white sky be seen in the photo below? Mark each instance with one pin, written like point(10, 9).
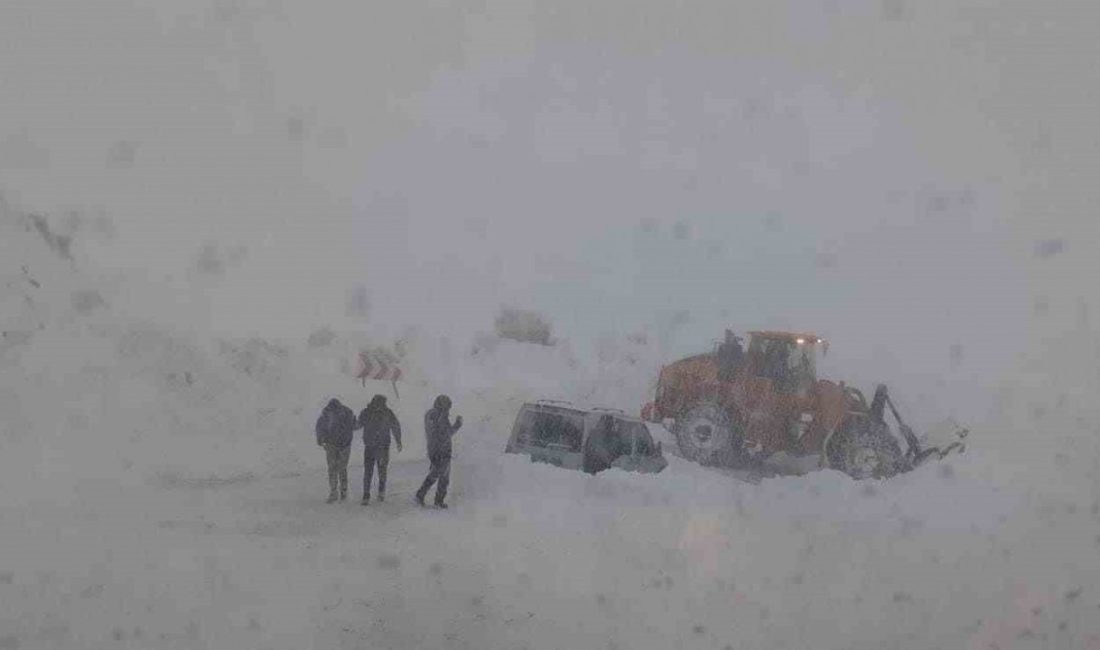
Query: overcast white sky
point(879, 172)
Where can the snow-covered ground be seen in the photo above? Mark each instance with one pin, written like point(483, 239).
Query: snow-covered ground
point(208, 207)
point(160, 490)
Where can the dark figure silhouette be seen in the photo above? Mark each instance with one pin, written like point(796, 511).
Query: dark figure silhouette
point(335, 430)
point(730, 357)
point(378, 423)
point(439, 430)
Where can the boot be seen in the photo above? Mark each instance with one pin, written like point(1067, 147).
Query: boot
point(331, 497)
point(441, 505)
point(344, 495)
point(365, 501)
point(420, 500)
point(381, 497)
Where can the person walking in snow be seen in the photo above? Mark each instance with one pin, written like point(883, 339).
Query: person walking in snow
point(439, 430)
point(378, 423)
point(335, 430)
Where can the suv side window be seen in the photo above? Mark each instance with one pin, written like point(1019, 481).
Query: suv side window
point(546, 429)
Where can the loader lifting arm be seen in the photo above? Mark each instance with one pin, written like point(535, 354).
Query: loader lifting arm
point(914, 454)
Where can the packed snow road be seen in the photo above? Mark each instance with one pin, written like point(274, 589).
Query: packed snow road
point(533, 556)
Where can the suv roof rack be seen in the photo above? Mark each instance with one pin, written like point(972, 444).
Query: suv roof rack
point(557, 402)
point(579, 407)
point(607, 409)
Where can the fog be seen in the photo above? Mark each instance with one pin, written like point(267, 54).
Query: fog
point(869, 170)
point(915, 182)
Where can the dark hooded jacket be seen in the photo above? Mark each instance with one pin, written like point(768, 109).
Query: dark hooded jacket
point(336, 425)
point(379, 423)
point(438, 427)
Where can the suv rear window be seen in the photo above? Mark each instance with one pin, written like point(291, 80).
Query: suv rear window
point(637, 432)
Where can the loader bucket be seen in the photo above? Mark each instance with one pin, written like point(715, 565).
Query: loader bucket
point(943, 440)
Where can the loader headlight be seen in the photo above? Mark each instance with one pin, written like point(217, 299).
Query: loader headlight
point(800, 341)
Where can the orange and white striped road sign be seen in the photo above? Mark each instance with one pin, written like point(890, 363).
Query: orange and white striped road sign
point(377, 366)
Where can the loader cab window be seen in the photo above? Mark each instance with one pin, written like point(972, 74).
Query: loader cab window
point(803, 368)
point(769, 358)
point(789, 365)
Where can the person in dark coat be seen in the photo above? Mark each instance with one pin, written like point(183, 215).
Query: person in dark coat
point(335, 430)
point(438, 427)
point(604, 446)
point(378, 423)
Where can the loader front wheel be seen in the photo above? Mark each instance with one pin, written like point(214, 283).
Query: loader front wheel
point(864, 448)
point(707, 434)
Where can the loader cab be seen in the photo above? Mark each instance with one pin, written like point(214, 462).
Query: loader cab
point(788, 360)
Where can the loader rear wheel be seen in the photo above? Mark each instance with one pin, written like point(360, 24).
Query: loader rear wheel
point(707, 435)
point(864, 448)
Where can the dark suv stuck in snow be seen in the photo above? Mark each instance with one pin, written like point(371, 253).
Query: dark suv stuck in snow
point(588, 439)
